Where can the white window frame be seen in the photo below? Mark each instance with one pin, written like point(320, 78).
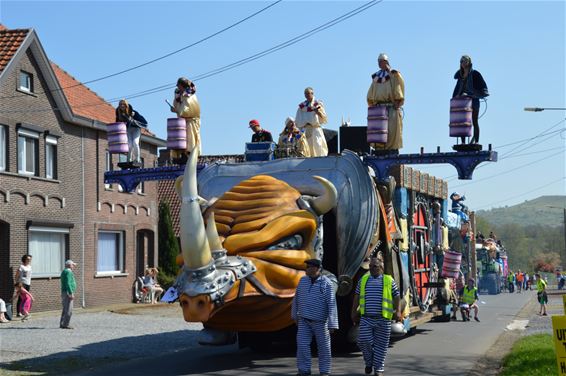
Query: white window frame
point(57, 264)
point(3, 147)
point(120, 256)
point(25, 82)
point(51, 157)
point(23, 136)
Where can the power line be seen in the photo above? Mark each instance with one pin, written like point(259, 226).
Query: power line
point(543, 133)
point(524, 193)
point(160, 57)
point(233, 65)
point(536, 152)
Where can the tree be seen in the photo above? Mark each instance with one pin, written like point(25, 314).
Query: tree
point(546, 262)
point(168, 244)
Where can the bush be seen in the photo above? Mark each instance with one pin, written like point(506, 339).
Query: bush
point(165, 280)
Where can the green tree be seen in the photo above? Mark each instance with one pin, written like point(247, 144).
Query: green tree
point(168, 244)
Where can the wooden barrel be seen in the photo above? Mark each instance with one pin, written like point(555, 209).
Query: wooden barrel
point(451, 265)
point(461, 117)
point(117, 138)
point(378, 119)
point(176, 134)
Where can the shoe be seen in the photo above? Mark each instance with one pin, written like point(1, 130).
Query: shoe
point(477, 319)
point(66, 327)
point(378, 373)
point(368, 370)
point(25, 317)
point(454, 318)
point(19, 315)
point(544, 314)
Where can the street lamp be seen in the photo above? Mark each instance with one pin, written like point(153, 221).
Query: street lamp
point(558, 207)
point(539, 109)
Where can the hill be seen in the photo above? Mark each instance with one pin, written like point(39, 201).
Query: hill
point(533, 212)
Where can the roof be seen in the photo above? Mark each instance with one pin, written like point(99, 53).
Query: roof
point(82, 101)
point(10, 42)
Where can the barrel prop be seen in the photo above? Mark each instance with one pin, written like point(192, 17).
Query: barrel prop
point(378, 120)
point(176, 134)
point(461, 117)
point(451, 264)
point(117, 138)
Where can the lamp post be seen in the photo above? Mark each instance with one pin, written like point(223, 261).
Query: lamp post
point(558, 207)
point(539, 109)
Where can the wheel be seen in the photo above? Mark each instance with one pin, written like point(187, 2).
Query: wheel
point(491, 281)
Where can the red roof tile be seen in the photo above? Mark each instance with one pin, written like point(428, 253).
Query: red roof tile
point(10, 41)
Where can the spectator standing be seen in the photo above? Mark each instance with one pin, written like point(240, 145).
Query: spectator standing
point(520, 280)
point(376, 302)
point(26, 298)
point(542, 297)
point(23, 276)
point(68, 288)
point(315, 312)
point(260, 134)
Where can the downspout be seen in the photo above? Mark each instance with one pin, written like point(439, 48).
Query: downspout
point(83, 303)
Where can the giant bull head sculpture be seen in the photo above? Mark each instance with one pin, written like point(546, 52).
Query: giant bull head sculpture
point(241, 271)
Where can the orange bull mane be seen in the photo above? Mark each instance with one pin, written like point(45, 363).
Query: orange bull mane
point(260, 220)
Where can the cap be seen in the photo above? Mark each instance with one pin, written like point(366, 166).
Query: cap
point(70, 262)
point(383, 56)
point(254, 122)
point(289, 119)
point(314, 262)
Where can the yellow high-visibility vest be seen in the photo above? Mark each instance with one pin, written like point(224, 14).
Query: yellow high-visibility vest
point(541, 285)
point(387, 298)
point(469, 295)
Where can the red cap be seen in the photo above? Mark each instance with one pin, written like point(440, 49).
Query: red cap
point(254, 122)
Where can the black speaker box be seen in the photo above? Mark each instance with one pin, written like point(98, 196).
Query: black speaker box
point(354, 139)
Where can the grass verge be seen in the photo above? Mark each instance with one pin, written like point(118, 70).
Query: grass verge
point(531, 356)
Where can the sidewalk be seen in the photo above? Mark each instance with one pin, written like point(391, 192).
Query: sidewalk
point(101, 335)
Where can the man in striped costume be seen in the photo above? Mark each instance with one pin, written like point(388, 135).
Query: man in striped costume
point(375, 301)
point(314, 310)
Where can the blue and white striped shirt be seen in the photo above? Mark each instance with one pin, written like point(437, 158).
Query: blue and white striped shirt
point(315, 301)
point(374, 294)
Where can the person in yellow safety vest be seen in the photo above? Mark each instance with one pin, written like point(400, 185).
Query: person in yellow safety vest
point(541, 294)
point(468, 300)
point(376, 302)
point(511, 281)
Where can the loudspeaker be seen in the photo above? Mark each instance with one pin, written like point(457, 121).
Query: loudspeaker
point(331, 140)
point(354, 139)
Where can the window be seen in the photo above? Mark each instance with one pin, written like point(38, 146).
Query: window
point(28, 147)
point(48, 247)
point(50, 157)
point(108, 167)
point(3, 148)
point(26, 82)
point(110, 257)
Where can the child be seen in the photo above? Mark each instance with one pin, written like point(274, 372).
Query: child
point(542, 297)
point(25, 298)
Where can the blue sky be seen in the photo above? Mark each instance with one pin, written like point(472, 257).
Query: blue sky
point(518, 46)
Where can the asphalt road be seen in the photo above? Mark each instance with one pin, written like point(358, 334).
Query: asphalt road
point(436, 349)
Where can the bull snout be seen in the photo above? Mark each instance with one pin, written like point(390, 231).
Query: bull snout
point(196, 308)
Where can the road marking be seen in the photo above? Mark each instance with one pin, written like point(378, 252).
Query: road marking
point(518, 325)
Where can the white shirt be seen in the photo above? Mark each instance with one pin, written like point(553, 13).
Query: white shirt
point(25, 274)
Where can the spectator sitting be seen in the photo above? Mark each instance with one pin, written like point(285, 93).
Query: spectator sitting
point(149, 281)
point(2, 311)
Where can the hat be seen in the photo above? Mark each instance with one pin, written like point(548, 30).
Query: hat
point(289, 119)
point(314, 262)
point(70, 262)
point(383, 56)
point(253, 123)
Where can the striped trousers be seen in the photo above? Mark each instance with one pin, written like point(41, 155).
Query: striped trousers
point(373, 340)
point(305, 332)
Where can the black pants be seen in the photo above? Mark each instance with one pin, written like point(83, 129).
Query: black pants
point(475, 115)
point(27, 287)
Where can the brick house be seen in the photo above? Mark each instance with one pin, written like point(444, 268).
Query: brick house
point(54, 204)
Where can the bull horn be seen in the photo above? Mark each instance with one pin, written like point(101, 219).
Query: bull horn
point(212, 233)
point(325, 202)
point(196, 250)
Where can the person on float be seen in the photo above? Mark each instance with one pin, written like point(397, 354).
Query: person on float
point(470, 83)
point(309, 119)
point(292, 140)
point(259, 134)
point(134, 123)
point(186, 105)
point(388, 88)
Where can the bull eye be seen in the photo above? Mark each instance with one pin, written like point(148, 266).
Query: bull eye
point(291, 242)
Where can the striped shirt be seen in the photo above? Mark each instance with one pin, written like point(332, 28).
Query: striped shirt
point(315, 301)
point(374, 294)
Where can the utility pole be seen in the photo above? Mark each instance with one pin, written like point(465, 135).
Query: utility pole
point(473, 257)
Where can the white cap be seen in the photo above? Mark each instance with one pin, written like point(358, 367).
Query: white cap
point(289, 118)
point(383, 56)
point(70, 262)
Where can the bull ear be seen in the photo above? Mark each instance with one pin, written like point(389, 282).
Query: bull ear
point(325, 202)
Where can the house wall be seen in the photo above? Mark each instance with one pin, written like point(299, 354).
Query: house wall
point(77, 197)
